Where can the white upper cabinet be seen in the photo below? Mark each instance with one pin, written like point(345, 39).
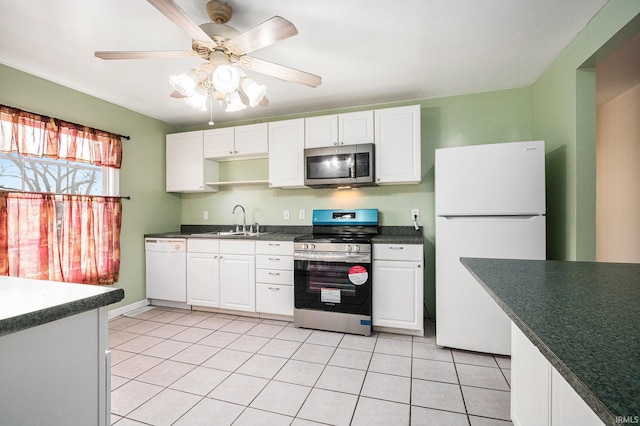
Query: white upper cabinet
point(398, 143)
point(340, 129)
point(237, 143)
point(187, 169)
point(286, 153)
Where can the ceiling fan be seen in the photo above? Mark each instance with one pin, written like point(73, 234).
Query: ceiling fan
point(222, 46)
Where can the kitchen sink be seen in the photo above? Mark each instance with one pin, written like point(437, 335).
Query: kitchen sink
point(219, 234)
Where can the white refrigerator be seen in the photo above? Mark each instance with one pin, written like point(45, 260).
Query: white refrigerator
point(490, 202)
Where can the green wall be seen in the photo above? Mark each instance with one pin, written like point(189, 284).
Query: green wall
point(501, 116)
point(142, 175)
point(564, 116)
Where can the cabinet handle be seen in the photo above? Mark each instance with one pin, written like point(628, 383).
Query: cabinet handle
point(274, 288)
point(235, 152)
point(274, 273)
point(230, 152)
point(419, 266)
point(274, 259)
point(274, 244)
point(396, 248)
point(335, 143)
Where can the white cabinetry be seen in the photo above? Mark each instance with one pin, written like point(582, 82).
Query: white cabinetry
point(286, 153)
point(187, 169)
point(203, 272)
point(398, 287)
point(341, 129)
point(238, 275)
point(539, 394)
point(235, 143)
point(274, 277)
point(398, 143)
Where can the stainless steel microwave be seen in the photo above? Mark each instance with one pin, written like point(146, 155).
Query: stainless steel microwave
point(336, 166)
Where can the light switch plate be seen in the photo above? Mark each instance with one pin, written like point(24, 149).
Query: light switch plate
point(285, 214)
point(302, 214)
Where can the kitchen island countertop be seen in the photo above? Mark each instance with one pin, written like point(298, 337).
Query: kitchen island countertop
point(584, 317)
point(26, 303)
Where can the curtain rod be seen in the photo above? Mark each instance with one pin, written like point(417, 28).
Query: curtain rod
point(124, 197)
point(67, 121)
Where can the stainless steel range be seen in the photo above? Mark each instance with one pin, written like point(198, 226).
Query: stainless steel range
point(332, 271)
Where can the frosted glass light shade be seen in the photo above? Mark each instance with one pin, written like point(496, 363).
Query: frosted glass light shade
point(225, 78)
point(234, 103)
point(184, 83)
point(254, 91)
point(198, 99)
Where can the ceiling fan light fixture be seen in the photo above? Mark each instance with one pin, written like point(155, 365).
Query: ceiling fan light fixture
point(198, 99)
point(234, 103)
point(255, 92)
point(225, 78)
point(184, 83)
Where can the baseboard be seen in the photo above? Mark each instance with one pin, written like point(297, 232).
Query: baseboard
point(124, 309)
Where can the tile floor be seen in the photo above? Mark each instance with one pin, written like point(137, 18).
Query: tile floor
point(180, 367)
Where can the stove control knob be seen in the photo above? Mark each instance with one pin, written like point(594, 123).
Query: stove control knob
point(356, 248)
point(305, 247)
point(349, 247)
point(313, 246)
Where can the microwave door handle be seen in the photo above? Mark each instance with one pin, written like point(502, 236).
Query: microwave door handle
point(353, 165)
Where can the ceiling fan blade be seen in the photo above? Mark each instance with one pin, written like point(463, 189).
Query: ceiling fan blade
point(144, 55)
point(280, 71)
point(262, 35)
point(172, 11)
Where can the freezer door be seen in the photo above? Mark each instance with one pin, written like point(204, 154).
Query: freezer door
point(495, 179)
point(466, 316)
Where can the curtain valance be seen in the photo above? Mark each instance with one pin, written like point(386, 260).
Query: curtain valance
point(37, 135)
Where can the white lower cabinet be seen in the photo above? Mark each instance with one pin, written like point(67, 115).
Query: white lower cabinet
point(274, 277)
point(203, 272)
point(539, 394)
point(398, 287)
point(221, 274)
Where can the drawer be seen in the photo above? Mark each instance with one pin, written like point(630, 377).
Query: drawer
point(203, 245)
point(272, 276)
point(274, 261)
point(275, 247)
point(237, 247)
point(274, 299)
point(397, 252)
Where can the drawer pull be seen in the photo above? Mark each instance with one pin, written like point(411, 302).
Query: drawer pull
point(274, 273)
point(274, 259)
point(274, 244)
point(396, 248)
point(274, 288)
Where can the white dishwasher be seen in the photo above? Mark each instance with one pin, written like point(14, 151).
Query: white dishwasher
point(166, 268)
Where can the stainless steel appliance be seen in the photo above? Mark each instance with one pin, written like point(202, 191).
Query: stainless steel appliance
point(335, 166)
point(332, 271)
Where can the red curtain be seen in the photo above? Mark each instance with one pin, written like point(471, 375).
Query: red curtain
point(29, 236)
point(41, 136)
point(88, 250)
point(90, 239)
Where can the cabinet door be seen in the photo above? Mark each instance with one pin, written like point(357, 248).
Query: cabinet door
point(397, 294)
point(398, 140)
point(355, 127)
point(185, 162)
point(237, 282)
point(252, 141)
point(321, 131)
point(530, 382)
point(567, 407)
point(219, 143)
point(203, 279)
point(286, 154)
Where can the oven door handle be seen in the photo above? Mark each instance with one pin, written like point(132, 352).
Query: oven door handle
point(333, 257)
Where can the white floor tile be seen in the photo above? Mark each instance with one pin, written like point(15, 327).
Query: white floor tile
point(134, 366)
point(166, 349)
point(192, 335)
point(165, 408)
point(360, 343)
point(350, 358)
point(487, 402)
point(239, 389)
point(439, 371)
point(131, 395)
point(295, 334)
point(300, 372)
point(238, 326)
point(253, 417)
point(247, 343)
point(220, 339)
point(374, 412)
point(140, 344)
point(474, 358)
point(421, 416)
point(329, 407)
point(393, 346)
point(282, 398)
point(165, 373)
point(196, 354)
point(314, 353)
point(200, 380)
point(207, 409)
point(431, 351)
point(326, 338)
point(280, 348)
point(391, 364)
point(387, 387)
point(227, 359)
point(341, 379)
point(262, 366)
point(265, 330)
point(166, 331)
point(486, 377)
point(440, 396)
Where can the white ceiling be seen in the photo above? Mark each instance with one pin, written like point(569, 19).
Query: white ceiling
point(367, 51)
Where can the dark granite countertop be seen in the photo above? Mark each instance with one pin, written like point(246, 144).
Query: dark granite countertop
point(584, 317)
point(387, 235)
point(26, 303)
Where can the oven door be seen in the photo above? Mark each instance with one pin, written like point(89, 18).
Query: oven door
point(335, 282)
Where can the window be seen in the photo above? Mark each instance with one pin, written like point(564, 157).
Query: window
point(31, 174)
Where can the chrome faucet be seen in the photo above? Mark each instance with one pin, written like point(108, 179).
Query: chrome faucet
point(244, 217)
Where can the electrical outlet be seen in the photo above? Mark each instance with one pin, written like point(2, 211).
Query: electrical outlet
point(415, 214)
point(302, 214)
point(285, 214)
point(205, 215)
